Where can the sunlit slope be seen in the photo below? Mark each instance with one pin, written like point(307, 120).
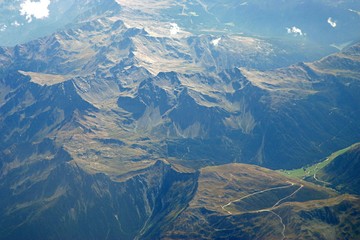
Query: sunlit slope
point(248, 202)
point(97, 92)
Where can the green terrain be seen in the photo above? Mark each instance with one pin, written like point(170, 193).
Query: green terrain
point(311, 171)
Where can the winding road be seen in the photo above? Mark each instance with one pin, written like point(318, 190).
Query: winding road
point(255, 193)
point(316, 171)
point(283, 225)
point(271, 208)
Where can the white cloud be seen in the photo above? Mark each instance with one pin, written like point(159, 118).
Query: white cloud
point(174, 29)
point(296, 31)
point(215, 42)
point(331, 22)
point(3, 27)
point(354, 11)
point(15, 24)
point(38, 10)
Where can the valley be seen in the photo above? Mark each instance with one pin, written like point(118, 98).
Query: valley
point(312, 171)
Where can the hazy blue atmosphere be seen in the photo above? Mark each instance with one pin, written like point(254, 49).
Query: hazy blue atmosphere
point(179, 119)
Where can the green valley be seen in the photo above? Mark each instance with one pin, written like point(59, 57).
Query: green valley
point(311, 171)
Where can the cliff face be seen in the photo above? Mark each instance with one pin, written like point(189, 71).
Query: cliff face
point(55, 199)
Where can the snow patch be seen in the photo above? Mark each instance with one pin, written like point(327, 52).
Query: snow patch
point(193, 14)
point(215, 42)
point(174, 29)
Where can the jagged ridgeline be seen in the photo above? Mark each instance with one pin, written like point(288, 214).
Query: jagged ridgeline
point(137, 120)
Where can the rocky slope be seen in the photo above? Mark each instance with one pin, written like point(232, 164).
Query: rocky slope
point(245, 202)
point(109, 127)
point(101, 83)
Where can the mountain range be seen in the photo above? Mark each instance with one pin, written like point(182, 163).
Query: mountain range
point(136, 120)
